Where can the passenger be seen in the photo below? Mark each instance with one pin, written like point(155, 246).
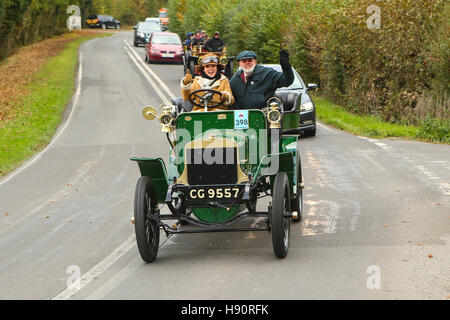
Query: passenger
point(197, 38)
point(254, 84)
point(188, 40)
point(215, 44)
point(211, 78)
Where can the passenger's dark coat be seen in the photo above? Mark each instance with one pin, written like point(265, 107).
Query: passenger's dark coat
point(260, 86)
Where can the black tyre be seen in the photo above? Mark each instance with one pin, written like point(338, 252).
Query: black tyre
point(229, 69)
point(297, 202)
point(280, 207)
point(146, 220)
point(192, 67)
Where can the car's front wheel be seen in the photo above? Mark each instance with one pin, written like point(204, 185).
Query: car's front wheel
point(118, 26)
point(146, 219)
point(280, 221)
point(103, 26)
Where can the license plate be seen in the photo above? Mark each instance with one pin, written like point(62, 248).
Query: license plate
point(214, 193)
point(167, 55)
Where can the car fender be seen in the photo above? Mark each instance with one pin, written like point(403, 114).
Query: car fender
point(155, 169)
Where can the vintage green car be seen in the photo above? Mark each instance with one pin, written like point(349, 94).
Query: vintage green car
point(220, 164)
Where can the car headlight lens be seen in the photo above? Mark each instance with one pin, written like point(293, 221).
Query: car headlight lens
point(141, 34)
point(307, 106)
point(155, 51)
point(274, 115)
point(165, 119)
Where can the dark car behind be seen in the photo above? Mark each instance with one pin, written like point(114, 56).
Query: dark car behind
point(307, 123)
point(102, 21)
point(143, 31)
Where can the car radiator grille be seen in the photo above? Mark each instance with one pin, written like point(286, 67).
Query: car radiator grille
point(162, 51)
point(211, 166)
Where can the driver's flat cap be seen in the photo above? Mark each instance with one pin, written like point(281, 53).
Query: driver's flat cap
point(246, 54)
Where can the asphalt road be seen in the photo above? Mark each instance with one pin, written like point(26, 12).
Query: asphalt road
point(376, 221)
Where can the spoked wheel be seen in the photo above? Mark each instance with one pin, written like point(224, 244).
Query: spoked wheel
point(146, 220)
point(280, 223)
point(297, 202)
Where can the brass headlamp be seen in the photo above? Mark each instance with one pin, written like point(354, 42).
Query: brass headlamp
point(166, 119)
point(274, 114)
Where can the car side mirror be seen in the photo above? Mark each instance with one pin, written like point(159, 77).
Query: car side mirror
point(312, 87)
point(134, 28)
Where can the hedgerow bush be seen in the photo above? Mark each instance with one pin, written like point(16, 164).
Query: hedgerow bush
point(399, 71)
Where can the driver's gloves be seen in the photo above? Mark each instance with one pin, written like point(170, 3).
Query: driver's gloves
point(187, 78)
point(225, 98)
point(284, 59)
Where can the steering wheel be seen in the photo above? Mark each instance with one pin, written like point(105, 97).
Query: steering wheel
point(204, 98)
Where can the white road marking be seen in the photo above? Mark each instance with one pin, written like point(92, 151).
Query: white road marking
point(152, 83)
point(58, 134)
point(98, 269)
point(153, 74)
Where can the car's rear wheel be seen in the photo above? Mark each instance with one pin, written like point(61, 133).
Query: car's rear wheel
point(280, 223)
point(297, 202)
point(146, 219)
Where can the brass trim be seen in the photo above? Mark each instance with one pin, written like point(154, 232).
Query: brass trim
point(212, 142)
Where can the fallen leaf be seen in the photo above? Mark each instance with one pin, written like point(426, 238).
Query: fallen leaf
point(52, 201)
point(386, 225)
point(46, 217)
point(69, 184)
point(430, 256)
point(6, 214)
point(71, 220)
point(404, 221)
point(419, 245)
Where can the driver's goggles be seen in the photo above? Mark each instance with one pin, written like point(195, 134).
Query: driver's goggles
point(213, 59)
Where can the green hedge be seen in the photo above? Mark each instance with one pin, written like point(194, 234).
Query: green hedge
point(399, 72)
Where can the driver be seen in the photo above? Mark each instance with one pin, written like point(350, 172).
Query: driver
point(210, 78)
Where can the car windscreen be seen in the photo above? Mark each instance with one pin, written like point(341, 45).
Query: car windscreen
point(91, 17)
point(166, 39)
point(163, 14)
point(149, 27)
point(296, 85)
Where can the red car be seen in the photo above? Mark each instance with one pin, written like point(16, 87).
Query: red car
point(164, 46)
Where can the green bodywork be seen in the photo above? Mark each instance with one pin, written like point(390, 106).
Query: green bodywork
point(255, 154)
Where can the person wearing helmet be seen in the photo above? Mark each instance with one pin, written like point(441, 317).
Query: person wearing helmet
point(215, 44)
point(210, 78)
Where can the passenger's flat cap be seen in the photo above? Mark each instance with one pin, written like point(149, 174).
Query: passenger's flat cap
point(246, 54)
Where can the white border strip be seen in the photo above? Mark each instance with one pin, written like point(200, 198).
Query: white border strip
point(152, 73)
point(58, 134)
point(98, 269)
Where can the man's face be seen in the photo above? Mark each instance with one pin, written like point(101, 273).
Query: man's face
point(247, 65)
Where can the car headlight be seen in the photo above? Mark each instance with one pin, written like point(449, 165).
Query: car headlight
point(307, 106)
point(180, 52)
point(141, 34)
point(155, 51)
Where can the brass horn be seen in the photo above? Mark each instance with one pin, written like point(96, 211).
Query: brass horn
point(149, 113)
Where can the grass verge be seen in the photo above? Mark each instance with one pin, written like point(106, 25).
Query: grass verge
point(370, 126)
point(41, 108)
